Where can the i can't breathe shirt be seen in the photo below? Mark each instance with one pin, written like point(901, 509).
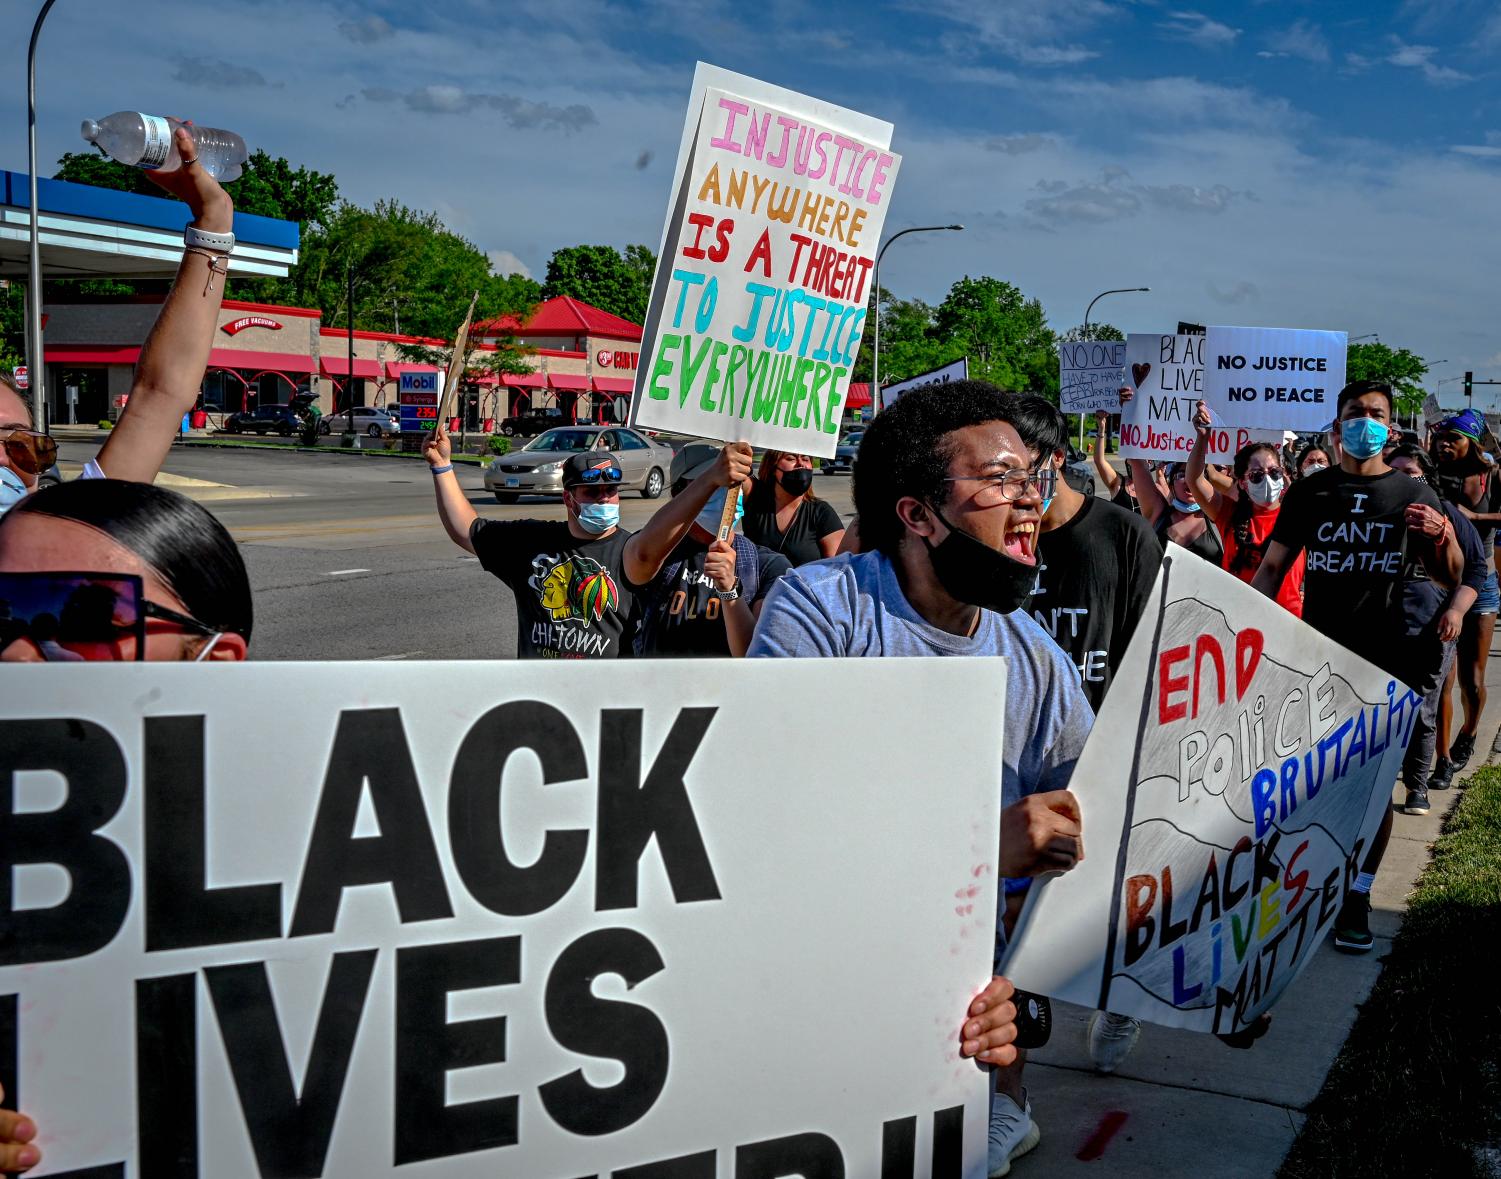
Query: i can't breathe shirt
point(1353, 529)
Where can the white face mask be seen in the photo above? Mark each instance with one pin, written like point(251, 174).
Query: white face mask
point(1268, 491)
point(1314, 468)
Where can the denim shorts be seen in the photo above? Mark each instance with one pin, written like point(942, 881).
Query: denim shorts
point(1489, 600)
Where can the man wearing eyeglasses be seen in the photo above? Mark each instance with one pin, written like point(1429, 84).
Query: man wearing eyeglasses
point(949, 508)
point(572, 579)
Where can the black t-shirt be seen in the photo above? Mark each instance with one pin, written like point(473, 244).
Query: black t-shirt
point(681, 613)
point(1124, 499)
point(815, 519)
point(1422, 597)
point(572, 597)
point(1094, 579)
point(1354, 530)
point(1452, 488)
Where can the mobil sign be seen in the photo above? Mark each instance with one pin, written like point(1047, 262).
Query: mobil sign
point(417, 396)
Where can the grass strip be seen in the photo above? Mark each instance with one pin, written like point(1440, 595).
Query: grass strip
point(1416, 1089)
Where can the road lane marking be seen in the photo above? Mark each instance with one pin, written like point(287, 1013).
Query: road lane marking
point(342, 572)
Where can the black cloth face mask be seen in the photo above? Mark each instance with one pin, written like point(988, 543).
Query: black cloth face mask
point(972, 572)
point(796, 481)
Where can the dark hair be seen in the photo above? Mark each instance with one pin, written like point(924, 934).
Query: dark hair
point(903, 452)
point(1248, 554)
point(1308, 450)
point(1243, 456)
point(1410, 450)
point(1041, 424)
point(1358, 389)
point(766, 473)
point(181, 542)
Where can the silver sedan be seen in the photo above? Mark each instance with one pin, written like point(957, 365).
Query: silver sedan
point(537, 468)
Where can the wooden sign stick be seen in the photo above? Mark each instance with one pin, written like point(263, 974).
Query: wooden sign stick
point(456, 361)
point(727, 519)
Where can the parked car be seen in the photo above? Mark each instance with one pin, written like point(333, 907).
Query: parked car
point(537, 468)
point(1078, 471)
point(368, 419)
point(527, 424)
point(263, 419)
point(844, 454)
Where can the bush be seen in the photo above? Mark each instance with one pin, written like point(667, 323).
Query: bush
point(500, 444)
point(106, 424)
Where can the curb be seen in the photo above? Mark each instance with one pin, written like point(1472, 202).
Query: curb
point(471, 459)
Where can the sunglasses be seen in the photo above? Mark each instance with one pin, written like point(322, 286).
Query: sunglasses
point(29, 451)
point(599, 475)
point(1263, 474)
point(81, 617)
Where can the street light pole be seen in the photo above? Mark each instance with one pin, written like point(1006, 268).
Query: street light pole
point(875, 349)
point(35, 358)
point(1087, 310)
point(349, 376)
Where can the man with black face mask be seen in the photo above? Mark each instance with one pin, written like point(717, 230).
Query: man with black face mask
point(948, 504)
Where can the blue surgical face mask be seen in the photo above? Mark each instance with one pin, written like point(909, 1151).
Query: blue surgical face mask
point(1185, 507)
point(1363, 438)
point(598, 518)
point(12, 490)
point(713, 512)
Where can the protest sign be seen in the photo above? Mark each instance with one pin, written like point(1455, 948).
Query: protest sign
point(759, 300)
point(498, 919)
point(957, 371)
point(1167, 374)
point(1090, 375)
point(1273, 378)
point(1228, 803)
point(456, 361)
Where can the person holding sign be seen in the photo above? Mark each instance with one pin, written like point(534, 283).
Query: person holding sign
point(1357, 524)
point(949, 508)
point(782, 513)
point(1245, 519)
point(18, 1151)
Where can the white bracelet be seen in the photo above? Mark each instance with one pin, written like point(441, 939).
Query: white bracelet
point(202, 239)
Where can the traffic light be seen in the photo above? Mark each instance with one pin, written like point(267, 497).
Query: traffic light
point(1469, 385)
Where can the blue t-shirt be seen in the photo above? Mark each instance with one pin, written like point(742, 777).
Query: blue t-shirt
point(854, 606)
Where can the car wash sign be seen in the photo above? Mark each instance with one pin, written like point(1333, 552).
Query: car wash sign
point(470, 920)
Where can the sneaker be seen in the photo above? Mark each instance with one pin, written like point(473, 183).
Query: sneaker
point(1110, 1039)
point(1443, 775)
point(1461, 750)
point(1417, 801)
point(1352, 928)
point(1012, 1133)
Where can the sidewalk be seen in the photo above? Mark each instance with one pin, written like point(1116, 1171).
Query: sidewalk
point(1183, 1103)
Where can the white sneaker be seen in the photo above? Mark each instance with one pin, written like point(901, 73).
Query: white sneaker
point(1012, 1133)
point(1111, 1038)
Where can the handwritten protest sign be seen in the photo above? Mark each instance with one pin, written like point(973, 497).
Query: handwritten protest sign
point(1167, 374)
point(759, 301)
point(1228, 803)
point(498, 919)
point(957, 371)
point(1273, 378)
point(1089, 375)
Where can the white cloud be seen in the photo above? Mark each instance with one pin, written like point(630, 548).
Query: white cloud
point(1489, 150)
point(1301, 39)
point(504, 262)
point(1200, 30)
point(1420, 57)
point(1027, 31)
point(1115, 197)
point(520, 113)
point(368, 30)
point(217, 74)
point(1019, 145)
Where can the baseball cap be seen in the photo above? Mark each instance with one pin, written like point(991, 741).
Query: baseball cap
point(590, 460)
point(692, 461)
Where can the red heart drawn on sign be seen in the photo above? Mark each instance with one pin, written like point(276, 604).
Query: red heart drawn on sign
point(1139, 373)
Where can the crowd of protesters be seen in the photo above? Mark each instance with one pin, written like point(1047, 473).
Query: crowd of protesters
point(968, 540)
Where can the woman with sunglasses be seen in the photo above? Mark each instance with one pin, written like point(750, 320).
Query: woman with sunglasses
point(1246, 513)
point(783, 515)
point(169, 373)
point(101, 570)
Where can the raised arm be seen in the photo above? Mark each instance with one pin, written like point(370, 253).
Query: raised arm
point(1148, 494)
point(454, 509)
point(170, 371)
point(646, 551)
point(1106, 472)
point(1208, 495)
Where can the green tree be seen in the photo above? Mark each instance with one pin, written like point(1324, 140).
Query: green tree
point(603, 277)
point(12, 325)
point(1095, 331)
point(1399, 368)
point(1005, 335)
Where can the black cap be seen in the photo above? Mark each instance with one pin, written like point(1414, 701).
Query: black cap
point(589, 460)
point(692, 461)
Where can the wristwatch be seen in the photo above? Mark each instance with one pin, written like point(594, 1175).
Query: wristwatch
point(202, 239)
point(731, 594)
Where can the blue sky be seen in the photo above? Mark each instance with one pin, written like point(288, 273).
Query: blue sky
point(1332, 165)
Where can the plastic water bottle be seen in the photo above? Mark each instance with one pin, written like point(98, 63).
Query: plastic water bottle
point(145, 141)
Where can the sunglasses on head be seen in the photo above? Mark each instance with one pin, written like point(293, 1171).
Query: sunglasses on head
point(81, 617)
point(599, 475)
point(29, 451)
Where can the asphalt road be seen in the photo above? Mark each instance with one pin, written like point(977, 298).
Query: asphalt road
point(347, 559)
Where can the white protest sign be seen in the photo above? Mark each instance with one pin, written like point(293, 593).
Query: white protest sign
point(1273, 378)
point(1167, 374)
point(957, 371)
point(498, 919)
point(1090, 375)
point(759, 301)
point(1229, 801)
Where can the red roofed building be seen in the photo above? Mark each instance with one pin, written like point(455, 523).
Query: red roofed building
point(583, 361)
